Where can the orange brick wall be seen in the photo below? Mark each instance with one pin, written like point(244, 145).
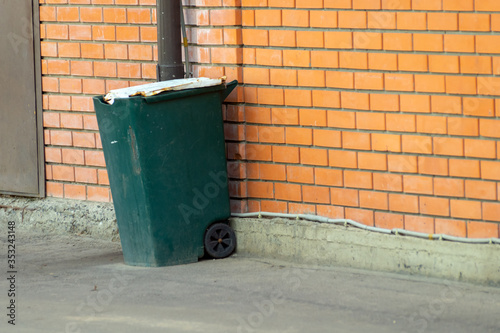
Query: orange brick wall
point(380, 111)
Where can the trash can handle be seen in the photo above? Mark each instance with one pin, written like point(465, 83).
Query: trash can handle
point(229, 88)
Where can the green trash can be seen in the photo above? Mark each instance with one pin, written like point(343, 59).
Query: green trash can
point(165, 156)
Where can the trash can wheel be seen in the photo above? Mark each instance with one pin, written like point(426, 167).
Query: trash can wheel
point(220, 240)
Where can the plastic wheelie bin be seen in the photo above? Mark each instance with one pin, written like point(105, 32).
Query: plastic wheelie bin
point(165, 156)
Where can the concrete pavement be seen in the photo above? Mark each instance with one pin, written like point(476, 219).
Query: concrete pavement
point(78, 284)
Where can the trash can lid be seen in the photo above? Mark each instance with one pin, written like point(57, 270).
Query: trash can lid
point(156, 88)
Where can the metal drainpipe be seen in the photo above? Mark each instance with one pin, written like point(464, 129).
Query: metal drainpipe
point(169, 40)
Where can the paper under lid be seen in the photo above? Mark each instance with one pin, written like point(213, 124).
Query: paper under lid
point(156, 88)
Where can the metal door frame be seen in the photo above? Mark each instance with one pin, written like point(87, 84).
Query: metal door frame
point(37, 61)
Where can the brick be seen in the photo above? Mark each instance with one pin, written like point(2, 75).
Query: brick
point(296, 58)
point(327, 138)
point(487, 5)
point(94, 158)
point(77, 192)
point(288, 192)
point(310, 117)
point(313, 39)
point(311, 78)
point(459, 43)
point(419, 224)
point(71, 121)
point(480, 190)
point(91, 14)
point(54, 190)
point(446, 104)
point(415, 103)
point(93, 51)
point(487, 44)
point(403, 163)
point(372, 161)
point(323, 19)
point(295, 18)
point(386, 142)
point(100, 194)
point(389, 221)
point(374, 200)
point(381, 20)
point(356, 140)
point(273, 206)
point(364, 216)
point(271, 134)
point(80, 32)
point(432, 166)
point(143, 16)
point(344, 80)
point(431, 124)
point(316, 194)
point(353, 60)
point(352, 20)
point(86, 175)
point(69, 50)
point(398, 42)
point(467, 209)
point(448, 146)
point(489, 170)
point(255, 37)
point(256, 75)
point(444, 64)
point(403, 203)
point(311, 156)
point(383, 61)
point(455, 228)
point(127, 34)
point(345, 197)
point(338, 40)
point(411, 20)
point(283, 154)
point(489, 128)
point(473, 22)
point(370, 121)
point(60, 67)
point(63, 173)
point(282, 38)
point(368, 81)
point(62, 103)
point(269, 57)
point(300, 208)
point(367, 40)
point(325, 98)
point(342, 159)
point(475, 65)
point(325, 59)
point(272, 172)
point(449, 187)
point(358, 179)
point(328, 177)
point(479, 148)
point(282, 77)
point(491, 211)
point(300, 136)
point(434, 206)
point(464, 168)
point(417, 144)
point(84, 139)
point(417, 184)
point(341, 119)
point(299, 174)
point(463, 126)
point(298, 97)
point(384, 102)
point(442, 21)
point(401, 122)
point(355, 100)
point(68, 14)
point(81, 68)
point(258, 152)
point(412, 62)
point(482, 230)
point(333, 212)
point(430, 83)
point(428, 42)
point(285, 116)
point(50, 84)
point(53, 155)
point(399, 82)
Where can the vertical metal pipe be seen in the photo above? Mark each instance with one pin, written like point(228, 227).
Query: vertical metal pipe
point(169, 40)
